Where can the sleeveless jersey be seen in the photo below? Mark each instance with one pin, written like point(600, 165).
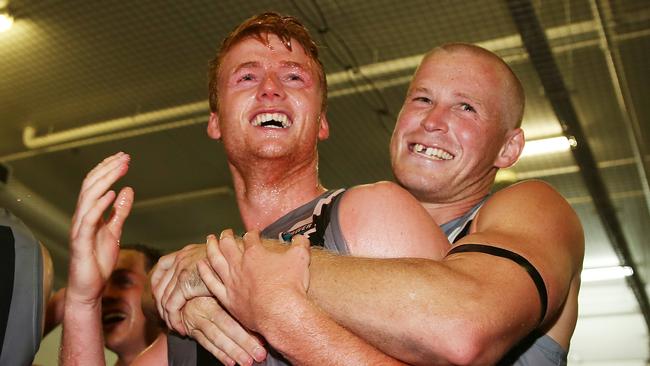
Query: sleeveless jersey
point(536, 349)
point(318, 220)
point(21, 290)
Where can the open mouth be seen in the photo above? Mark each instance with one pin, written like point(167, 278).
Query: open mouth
point(430, 152)
point(271, 120)
point(112, 318)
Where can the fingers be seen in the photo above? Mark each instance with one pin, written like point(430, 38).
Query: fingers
point(220, 341)
point(216, 352)
point(121, 209)
point(96, 183)
point(160, 277)
point(224, 332)
point(92, 176)
point(185, 290)
point(82, 243)
point(301, 244)
point(213, 283)
point(110, 236)
point(251, 239)
point(300, 248)
point(182, 275)
point(229, 248)
point(216, 258)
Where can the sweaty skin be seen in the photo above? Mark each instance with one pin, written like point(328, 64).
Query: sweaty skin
point(274, 171)
point(453, 108)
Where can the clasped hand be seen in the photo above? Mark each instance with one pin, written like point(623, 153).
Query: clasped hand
point(250, 281)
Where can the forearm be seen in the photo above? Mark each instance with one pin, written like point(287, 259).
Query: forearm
point(82, 341)
point(308, 336)
point(420, 311)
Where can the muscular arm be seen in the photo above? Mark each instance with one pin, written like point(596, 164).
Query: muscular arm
point(266, 291)
point(470, 307)
point(374, 218)
point(306, 335)
point(379, 220)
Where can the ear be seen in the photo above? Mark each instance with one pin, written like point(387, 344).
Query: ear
point(512, 147)
point(214, 131)
point(323, 126)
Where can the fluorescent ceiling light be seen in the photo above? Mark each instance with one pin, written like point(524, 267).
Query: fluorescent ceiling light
point(548, 146)
point(605, 273)
point(6, 21)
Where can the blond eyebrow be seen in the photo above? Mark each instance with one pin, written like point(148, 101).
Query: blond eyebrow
point(473, 99)
point(420, 89)
point(293, 64)
point(247, 65)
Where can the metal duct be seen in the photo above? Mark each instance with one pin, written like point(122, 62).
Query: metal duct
point(541, 56)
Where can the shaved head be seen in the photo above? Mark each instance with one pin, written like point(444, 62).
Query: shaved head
point(514, 92)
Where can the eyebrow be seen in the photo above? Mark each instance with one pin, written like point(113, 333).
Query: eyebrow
point(247, 65)
point(421, 89)
point(121, 271)
point(292, 64)
point(473, 99)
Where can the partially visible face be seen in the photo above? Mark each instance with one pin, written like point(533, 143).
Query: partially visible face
point(449, 131)
point(124, 324)
point(269, 102)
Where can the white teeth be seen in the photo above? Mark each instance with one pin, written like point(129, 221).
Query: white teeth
point(267, 117)
point(111, 316)
point(432, 152)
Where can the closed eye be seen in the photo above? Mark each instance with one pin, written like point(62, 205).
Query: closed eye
point(422, 99)
point(294, 77)
point(247, 77)
point(121, 279)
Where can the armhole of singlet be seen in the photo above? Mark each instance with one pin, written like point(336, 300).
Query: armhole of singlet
point(334, 227)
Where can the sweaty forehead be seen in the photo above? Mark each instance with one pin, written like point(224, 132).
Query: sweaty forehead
point(131, 260)
point(461, 73)
point(251, 49)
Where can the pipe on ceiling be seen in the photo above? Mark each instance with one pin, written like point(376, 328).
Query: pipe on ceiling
point(375, 70)
point(34, 142)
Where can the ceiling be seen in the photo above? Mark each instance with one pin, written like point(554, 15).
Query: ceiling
point(142, 65)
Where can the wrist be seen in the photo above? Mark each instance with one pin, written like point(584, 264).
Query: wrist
point(279, 327)
point(81, 302)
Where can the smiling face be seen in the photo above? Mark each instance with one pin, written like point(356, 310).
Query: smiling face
point(455, 130)
point(124, 324)
point(269, 103)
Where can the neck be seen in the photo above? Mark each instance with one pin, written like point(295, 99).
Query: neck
point(447, 208)
point(445, 212)
point(272, 189)
point(126, 359)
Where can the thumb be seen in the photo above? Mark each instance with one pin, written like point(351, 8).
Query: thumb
point(300, 244)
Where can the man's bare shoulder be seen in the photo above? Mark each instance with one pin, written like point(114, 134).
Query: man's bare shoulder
point(382, 190)
point(532, 200)
point(377, 219)
point(533, 212)
point(533, 220)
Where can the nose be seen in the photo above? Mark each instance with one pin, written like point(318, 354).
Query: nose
point(435, 119)
point(110, 292)
point(270, 88)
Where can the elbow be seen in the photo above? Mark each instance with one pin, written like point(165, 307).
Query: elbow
point(469, 350)
point(463, 343)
